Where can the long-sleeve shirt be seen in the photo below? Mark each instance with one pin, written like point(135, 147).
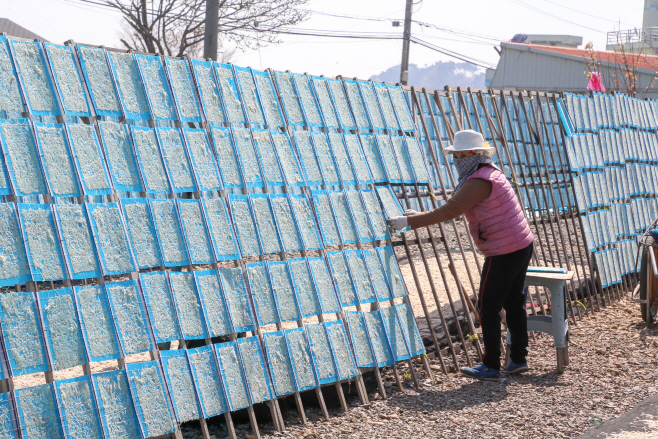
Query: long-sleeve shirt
point(472, 192)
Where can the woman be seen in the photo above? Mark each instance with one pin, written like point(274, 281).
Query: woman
point(499, 228)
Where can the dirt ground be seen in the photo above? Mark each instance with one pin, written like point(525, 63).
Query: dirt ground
point(614, 365)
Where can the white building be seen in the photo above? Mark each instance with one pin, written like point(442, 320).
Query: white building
point(638, 40)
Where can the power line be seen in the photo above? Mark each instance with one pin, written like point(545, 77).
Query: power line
point(541, 11)
point(150, 12)
point(469, 35)
point(462, 57)
point(420, 23)
point(381, 36)
point(337, 34)
point(353, 17)
point(585, 13)
point(434, 37)
point(356, 35)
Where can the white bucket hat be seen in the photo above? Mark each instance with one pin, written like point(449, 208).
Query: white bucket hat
point(469, 140)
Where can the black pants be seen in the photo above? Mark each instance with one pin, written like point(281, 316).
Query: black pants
point(501, 287)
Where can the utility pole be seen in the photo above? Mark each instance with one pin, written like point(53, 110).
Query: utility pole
point(212, 28)
point(406, 42)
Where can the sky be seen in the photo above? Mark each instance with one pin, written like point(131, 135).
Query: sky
point(481, 25)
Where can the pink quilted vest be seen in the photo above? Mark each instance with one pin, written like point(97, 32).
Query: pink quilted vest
point(498, 224)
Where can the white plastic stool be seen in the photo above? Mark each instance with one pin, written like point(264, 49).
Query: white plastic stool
point(557, 323)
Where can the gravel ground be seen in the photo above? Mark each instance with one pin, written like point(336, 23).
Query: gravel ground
point(614, 360)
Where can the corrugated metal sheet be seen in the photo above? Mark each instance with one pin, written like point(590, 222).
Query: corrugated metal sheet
point(14, 30)
point(529, 68)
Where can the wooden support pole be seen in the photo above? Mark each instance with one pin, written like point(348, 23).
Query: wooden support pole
point(341, 396)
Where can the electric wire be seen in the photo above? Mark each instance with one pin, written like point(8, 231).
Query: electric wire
point(450, 53)
point(541, 11)
point(420, 23)
point(360, 35)
point(586, 13)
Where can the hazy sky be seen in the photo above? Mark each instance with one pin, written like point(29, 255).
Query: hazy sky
point(61, 20)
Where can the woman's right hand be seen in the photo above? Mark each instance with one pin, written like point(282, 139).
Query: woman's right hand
point(410, 212)
point(397, 223)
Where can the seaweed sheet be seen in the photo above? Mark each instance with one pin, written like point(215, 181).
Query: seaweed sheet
point(99, 81)
point(250, 98)
point(220, 229)
point(141, 231)
point(170, 235)
point(284, 293)
point(237, 300)
point(324, 285)
point(300, 357)
point(261, 291)
point(37, 412)
point(129, 85)
point(233, 377)
point(184, 92)
point(68, 82)
point(209, 92)
point(180, 383)
point(117, 144)
point(342, 279)
point(117, 412)
point(213, 303)
point(111, 240)
point(195, 232)
point(360, 339)
point(56, 160)
point(77, 407)
point(42, 244)
point(253, 363)
point(245, 227)
point(265, 225)
point(188, 306)
point(175, 159)
point(77, 243)
point(304, 287)
point(15, 265)
point(129, 317)
point(89, 161)
point(207, 380)
point(226, 157)
point(24, 344)
point(99, 333)
point(160, 306)
point(278, 357)
point(61, 328)
point(155, 415)
point(34, 78)
point(323, 359)
point(156, 87)
point(340, 347)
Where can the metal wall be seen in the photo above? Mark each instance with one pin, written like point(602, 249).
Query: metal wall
point(526, 68)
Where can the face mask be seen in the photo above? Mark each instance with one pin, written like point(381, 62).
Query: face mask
point(468, 165)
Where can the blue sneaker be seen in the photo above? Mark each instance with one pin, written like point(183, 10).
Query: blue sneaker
point(513, 368)
point(481, 372)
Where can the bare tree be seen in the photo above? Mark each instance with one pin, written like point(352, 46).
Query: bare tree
point(622, 76)
point(176, 27)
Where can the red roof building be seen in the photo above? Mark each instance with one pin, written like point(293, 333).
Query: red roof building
point(551, 68)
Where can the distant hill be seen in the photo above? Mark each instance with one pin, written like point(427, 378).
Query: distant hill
point(437, 75)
